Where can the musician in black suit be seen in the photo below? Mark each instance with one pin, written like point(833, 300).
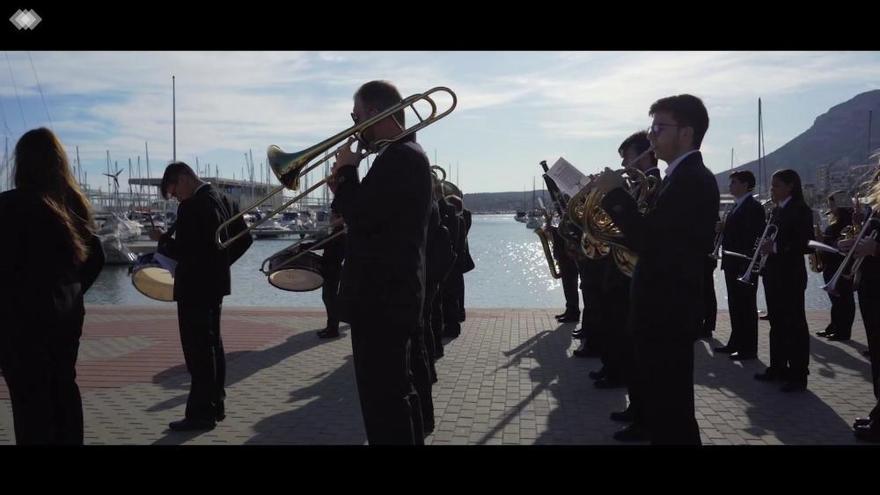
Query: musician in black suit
point(443, 320)
point(201, 280)
point(439, 258)
point(672, 240)
point(453, 286)
point(331, 267)
point(633, 154)
point(742, 227)
point(843, 303)
point(466, 264)
point(48, 259)
point(785, 275)
point(868, 428)
point(383, 279)
point(565, 238)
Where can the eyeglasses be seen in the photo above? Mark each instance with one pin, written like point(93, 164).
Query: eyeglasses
point(656, 128)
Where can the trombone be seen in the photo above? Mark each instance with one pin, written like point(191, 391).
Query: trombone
point(290, 167)
point(845, 270)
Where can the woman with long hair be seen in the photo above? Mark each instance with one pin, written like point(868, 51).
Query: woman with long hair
point(48, 259)
point(869, 294)
point(785, 276)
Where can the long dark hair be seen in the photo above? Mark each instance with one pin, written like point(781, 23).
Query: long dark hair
point(791, 178)
point(42, 168)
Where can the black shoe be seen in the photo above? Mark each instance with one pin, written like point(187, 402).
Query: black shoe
point(742, 356)
point(328, 333)
point(597, 375)
point(632, 433)
point(826, 333)
point(861, 422)
point(578, 333)
point(867, 433)
point(570, 318)
point(626, 416)
point(769, 375)
point(724, 350)
point(585, 353)
point(192, 425)
point(765, 317)
point(560, 315)
point(795, 386)
point(839, 338)
point(220, 412)
point(608, 383)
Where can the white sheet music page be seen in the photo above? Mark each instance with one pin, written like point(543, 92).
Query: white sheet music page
point(569, 179)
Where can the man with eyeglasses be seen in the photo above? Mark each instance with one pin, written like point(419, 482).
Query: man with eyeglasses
point(672, 239)
point(383, 279)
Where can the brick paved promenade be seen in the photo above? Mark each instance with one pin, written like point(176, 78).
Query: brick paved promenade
point(509, 379)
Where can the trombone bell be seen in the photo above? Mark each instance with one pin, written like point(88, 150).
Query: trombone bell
point(286, 166)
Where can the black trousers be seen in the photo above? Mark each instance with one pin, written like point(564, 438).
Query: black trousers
point(869, 304)
point(843, 306)
point(617, 347)
point(451, 294)
point(40, 372)
point(789, 333)
point(668, 370)
point(199, 325)
point(389, 402)
point(569, 270)
point(432, 322)
point(329, 293)
point(592, 272)
point(710, 302)
point(423, 379)
point(742, 299)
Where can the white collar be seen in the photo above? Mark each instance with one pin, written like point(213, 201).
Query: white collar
point(678, 160)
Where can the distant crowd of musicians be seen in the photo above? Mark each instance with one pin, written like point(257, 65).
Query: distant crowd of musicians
point(401, 286)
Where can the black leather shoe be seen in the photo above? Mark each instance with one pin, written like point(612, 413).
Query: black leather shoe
point(560, 315)
point(192, 425)
point(769, 375)
point(606, 383)
point(765, 317)
point(569, 319)
point(839, 338)
point(724, 350)
point(795, 386)
point(861, 422)
point(867, 433)
point(578, 333)
point(742, 356)
point(597, 375)
point(632, 433)
point(825, 333)
point(328, 333)
point(627, 416)
point(585, 353)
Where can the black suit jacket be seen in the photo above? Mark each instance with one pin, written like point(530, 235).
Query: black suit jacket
point(672, 241)
point(387, 217)
point(202, 275)
point(742, 228)
point(40, 285)
point(795, 223)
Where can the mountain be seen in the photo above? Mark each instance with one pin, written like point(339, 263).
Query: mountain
point(838, 136)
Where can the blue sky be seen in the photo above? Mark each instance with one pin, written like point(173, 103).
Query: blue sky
point(514, 108)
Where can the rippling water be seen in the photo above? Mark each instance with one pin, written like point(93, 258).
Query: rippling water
point(510, 272)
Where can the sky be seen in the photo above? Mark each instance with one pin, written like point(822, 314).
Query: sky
point(514, 108)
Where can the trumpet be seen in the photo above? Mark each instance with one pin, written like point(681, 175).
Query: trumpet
point(852, 272)
point(758, 259)
point(719, 237)
point(289, 168)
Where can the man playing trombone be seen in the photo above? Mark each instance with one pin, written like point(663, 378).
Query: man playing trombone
point(383, 279)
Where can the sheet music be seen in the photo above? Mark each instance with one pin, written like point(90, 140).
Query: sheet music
point(569, 179)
